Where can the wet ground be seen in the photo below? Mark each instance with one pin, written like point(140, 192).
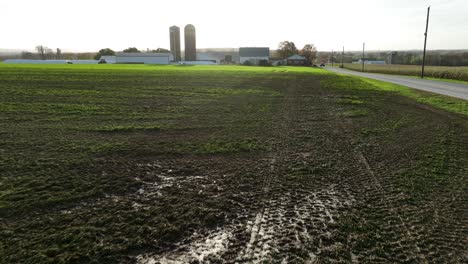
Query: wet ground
point(303, 172)
point(324, 193)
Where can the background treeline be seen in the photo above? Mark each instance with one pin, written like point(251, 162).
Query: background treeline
point(439, 72)
point(50, 56)
point(433, 57)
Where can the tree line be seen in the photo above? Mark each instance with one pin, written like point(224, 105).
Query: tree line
point(46, 53)
point(285, 50)
point(109, 52)
point(433, 57)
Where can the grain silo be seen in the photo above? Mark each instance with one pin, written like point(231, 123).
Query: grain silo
point(174, 35)
point(190, 43)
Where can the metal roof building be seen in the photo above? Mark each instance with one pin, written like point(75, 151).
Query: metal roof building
point(254, 52)
point(143, 58)
point(108, 59)
point(296, 60)
point(253, 55)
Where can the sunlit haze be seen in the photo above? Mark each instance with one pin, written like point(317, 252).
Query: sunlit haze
point(89, 25)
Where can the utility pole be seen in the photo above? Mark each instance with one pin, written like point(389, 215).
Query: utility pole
point(333, 62)
point(363, 55)
point(425, 42)
point(342, 58)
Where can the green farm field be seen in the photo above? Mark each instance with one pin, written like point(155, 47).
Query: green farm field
point(227, 164)
point(435, 72)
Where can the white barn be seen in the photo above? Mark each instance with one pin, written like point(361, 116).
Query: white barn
point(143, 58)
point(253, 55)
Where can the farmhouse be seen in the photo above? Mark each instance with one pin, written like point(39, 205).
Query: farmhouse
point(254, 55)
point(143, 58)
point(296, 60)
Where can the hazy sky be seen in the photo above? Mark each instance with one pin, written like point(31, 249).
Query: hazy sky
point(88, 25)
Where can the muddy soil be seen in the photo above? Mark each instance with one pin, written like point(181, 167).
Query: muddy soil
point(326, 193)
point(300, 173)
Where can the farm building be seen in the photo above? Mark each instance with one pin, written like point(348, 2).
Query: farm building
point(370, 61)
point(278, 62)
point(227, 59)
point(202, 56)
point(254, 55)
point(108, 59)
point(143, 58)
point(198, 62)
point(296, 60)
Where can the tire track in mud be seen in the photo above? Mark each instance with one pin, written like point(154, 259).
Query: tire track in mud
point(402, 231)
point(298, 217)
point(261, 235)
point(376, 192)
point(294, 222)
point(284, 222)
point(392, 210)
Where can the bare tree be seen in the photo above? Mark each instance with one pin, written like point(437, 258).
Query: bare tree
point(41, 50)
point(44, 52)
point(58, 54)
point(309, 52)
point(286, 49)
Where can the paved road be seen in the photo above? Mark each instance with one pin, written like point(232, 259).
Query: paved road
point(446, 88)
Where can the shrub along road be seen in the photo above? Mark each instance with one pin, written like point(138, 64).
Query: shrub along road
point(458, 90)
point(178, 164)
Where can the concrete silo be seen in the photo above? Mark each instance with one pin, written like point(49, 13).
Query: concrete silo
point(174, 35)
point(190, 43)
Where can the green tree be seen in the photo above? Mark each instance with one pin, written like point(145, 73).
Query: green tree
point(286, 49)
point(104, 52)
point(160, 50)
point(131, 50)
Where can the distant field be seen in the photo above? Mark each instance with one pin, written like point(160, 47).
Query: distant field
point(453, 73)
point(227, 164)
